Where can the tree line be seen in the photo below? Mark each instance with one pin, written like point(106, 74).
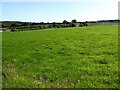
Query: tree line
point(19, 26)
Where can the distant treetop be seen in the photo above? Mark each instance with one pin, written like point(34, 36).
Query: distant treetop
point(74, 21)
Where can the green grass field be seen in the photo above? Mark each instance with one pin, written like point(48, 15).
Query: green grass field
point(81, 57)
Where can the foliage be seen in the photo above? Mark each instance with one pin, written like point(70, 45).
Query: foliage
point(21, 26)
point(65, 22)
point(74, 21)
point(72, 25)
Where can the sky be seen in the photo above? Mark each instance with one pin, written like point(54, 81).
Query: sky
point(51, 11)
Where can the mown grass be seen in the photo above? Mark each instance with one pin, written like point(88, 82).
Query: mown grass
point(84, 57)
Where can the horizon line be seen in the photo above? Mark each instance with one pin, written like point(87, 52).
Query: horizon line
point(54, 21)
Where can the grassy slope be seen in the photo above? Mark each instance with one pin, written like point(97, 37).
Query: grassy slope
point(72, 57)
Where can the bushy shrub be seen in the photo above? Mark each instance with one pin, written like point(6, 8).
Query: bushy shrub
point(12, 30)
point(80, 25)
point(72, 25)
point(85, 24)
point(50, 26)
point(40, 27)
point(44, 27)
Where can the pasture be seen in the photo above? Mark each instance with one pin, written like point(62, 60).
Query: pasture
point(78, 57)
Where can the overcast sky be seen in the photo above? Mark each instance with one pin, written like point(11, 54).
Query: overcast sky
point(51, 11)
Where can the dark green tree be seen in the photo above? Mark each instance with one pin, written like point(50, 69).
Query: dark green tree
point(74, 21)
point(65, 22)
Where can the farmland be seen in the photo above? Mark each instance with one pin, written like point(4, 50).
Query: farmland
point(75, 57)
